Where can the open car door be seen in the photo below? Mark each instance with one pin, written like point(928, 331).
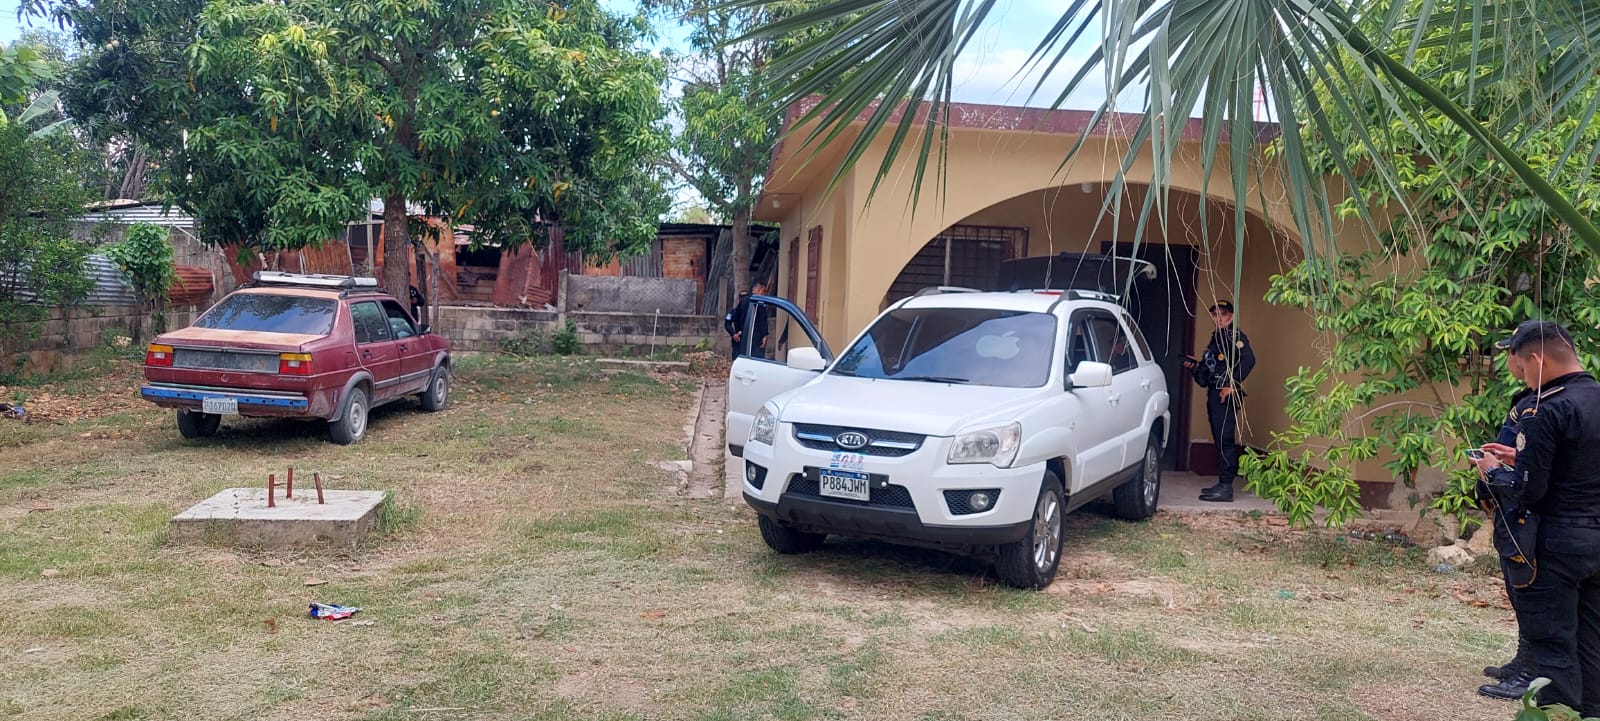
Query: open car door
point(778, 350)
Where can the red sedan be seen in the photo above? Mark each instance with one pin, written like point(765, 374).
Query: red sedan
point(300, 346)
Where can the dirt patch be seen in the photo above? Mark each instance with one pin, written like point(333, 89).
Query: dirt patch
point(606, 690)
point(1452, 698)
point(115, 391)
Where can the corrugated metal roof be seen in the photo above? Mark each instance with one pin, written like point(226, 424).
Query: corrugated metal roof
point(153, 214)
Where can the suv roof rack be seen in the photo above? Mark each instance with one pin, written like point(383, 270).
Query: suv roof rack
point(942, 289)
point(345, 283)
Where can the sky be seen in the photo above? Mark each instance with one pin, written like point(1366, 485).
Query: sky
point(984, 73)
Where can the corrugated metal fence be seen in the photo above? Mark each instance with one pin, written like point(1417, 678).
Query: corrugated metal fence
point(108, 288)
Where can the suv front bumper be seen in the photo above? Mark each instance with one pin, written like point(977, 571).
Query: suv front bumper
point(914, 506)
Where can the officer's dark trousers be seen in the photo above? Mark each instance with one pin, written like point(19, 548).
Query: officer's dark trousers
point(1560, 613)
point(1514, 595)
point(1224, 417)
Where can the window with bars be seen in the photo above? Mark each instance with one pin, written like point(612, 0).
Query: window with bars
point(963, 255)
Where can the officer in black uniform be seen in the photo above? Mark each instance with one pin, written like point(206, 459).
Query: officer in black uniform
point(1510, 527)
point(1557, 480)
point(1221, 370)
point(733, 322)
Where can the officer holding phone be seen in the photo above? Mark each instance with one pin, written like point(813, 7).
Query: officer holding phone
point(1515, 539)
point(1556, 478)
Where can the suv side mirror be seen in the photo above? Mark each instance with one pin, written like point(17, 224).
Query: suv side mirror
point(809, 359)
point(1090, 374)
point(424, 329)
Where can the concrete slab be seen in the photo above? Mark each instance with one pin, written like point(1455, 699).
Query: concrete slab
point(1180, 492)
point(240, 517)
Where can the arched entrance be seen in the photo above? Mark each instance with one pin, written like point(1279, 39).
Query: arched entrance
point(1194, 256)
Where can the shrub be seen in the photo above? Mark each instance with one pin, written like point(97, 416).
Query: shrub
point(565, 341)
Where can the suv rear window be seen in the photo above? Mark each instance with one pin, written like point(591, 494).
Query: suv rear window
point(271, 314)
point(979, 346)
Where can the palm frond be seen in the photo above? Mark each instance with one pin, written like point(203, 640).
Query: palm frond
point(889, 61)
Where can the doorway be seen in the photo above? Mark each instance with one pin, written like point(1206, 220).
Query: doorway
point(1161, 307)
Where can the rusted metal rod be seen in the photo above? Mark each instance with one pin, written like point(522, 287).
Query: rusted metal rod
point(272, 488)
point(317, 479)
point(288, 485)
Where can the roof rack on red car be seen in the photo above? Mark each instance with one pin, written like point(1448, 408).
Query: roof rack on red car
point(342, 283)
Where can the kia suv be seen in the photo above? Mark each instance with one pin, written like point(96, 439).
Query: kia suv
point(965, 421)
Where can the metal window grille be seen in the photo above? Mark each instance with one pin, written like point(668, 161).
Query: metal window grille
point(963, 255)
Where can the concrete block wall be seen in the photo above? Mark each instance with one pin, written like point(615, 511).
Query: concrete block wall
point(71, 333)
point(609, 330)
point(479, 328)
point(626, 294)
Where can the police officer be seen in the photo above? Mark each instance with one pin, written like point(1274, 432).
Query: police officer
point(418, 302)
point(1221, 370)
point(733, 322)
point(1508, 524)
point(1557, 480)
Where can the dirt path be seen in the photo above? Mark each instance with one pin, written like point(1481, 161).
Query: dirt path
point(706, 447)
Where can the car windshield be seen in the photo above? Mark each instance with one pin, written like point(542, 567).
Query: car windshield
point(271, 314)
point(975, 346)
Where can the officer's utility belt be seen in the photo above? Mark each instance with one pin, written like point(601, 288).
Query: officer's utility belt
point(1582, 521)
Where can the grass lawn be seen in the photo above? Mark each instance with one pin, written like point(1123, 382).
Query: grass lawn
point(534, 563)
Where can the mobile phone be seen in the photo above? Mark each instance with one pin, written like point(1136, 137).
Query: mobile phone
point(1476, 454)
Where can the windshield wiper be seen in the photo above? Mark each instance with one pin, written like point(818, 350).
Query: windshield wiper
point(932, 379)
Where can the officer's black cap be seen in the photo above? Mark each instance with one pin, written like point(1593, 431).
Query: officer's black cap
point(1534, 330)
point(1225, 306)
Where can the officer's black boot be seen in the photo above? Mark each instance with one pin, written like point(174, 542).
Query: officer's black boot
point(1220, 493)
point(1510, 688)
point(1517, 663)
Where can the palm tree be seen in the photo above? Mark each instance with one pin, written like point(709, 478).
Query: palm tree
point(1309, 58)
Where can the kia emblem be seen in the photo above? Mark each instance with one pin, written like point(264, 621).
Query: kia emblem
point(851, 440)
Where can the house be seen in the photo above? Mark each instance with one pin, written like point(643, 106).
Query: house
point(1007, 195)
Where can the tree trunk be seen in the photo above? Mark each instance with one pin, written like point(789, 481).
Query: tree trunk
point(422, 277)
point(396, 247)
point(741, 247)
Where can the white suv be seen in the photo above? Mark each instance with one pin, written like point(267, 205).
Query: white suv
point(963, 421)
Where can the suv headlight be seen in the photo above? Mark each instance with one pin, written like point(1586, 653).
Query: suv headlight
point(996, 445)
point(765, 424)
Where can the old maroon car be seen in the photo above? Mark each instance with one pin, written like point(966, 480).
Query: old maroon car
point(299, 346)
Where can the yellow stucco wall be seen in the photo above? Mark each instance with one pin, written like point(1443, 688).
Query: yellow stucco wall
point(1014, 178)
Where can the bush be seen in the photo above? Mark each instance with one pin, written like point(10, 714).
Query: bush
point(565, 341)
point(145, 256)
point(525, 343)
point(48, 180)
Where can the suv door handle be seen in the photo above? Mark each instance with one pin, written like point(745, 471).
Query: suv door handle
point(1114, 398)
point(1145, 384)
point(745, 376)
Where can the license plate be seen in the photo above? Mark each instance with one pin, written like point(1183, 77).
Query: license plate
point(844, 484)
point(224, 406)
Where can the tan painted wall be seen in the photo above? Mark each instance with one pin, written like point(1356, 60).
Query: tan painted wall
point(1010, 178)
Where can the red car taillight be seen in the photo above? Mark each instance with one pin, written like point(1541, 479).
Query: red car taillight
point(294, 364)
point(158, 355)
